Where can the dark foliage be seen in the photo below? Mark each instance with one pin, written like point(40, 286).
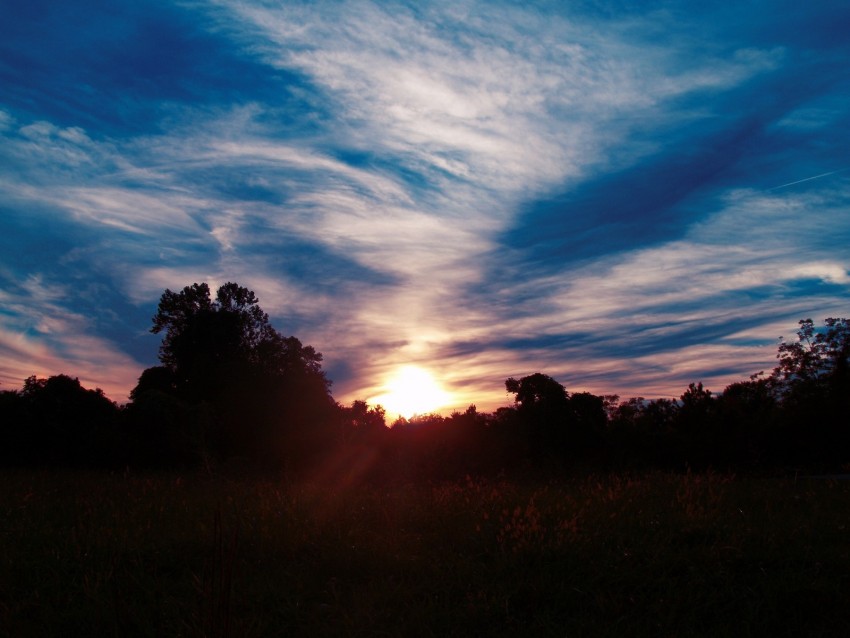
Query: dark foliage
point(551, 425)
point(797, 416)
point(56, 421)
point(232, 390)
point(812, 384)
point(234, 384)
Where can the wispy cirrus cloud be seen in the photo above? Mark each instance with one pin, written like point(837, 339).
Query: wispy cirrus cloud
point(488, 189)
point(464, 92)
point(734, 282)
point(40, 336)
point(487, 116)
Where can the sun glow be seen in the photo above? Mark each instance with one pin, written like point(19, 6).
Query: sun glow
point(412, 390)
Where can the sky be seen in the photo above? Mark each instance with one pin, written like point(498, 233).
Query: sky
point(628, 197)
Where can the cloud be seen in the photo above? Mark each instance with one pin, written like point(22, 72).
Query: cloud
point(39, 336)
point(486, 189)
point(467, 92)
point(643, 320)
point(487, 115)
point(6, 121)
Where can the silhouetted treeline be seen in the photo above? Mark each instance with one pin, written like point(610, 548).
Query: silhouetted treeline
point(56, 421)
point(232, 392)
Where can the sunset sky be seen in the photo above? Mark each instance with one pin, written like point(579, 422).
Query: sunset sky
point(627, 199)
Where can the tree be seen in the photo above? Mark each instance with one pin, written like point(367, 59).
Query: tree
point(643, 432)
point(13, 427)
point(746, 413)
point(207, 343)
point(817, 354)
point(697, 404)
point(266, 388)
point(207, 339)
point(537, 392)
point(362, 422)
point(156, 379)
point(61, 422)
point(589, 413)
point(544, 412)
point(813, 381)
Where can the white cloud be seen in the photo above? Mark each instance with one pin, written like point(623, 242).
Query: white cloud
point(6, 121)
point(489, 106)
point(147, 213)
point(491, 116)
point(517, 112)
point(830, 272)
point(753, 242)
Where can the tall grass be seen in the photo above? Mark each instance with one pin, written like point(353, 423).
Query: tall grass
point(650, 555)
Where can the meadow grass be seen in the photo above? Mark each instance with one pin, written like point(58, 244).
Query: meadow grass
point(646, 555)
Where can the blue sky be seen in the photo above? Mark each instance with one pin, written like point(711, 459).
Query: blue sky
point(628, 199)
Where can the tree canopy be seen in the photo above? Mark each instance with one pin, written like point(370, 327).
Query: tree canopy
point(232, 388)
point(223, 352)
point(209, 343)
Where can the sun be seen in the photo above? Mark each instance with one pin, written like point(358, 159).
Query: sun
point(412, 390)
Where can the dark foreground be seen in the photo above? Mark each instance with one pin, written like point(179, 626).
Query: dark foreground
point(652, 555)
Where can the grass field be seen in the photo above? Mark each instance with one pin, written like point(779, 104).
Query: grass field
point(652, 555)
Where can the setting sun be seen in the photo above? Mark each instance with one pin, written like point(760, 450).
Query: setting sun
point(412, 390)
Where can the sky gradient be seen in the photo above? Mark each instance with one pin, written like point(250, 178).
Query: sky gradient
point(626, 200)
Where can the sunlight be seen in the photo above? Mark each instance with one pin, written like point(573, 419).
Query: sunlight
point(412, 390)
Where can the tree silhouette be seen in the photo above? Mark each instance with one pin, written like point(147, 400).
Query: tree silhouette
point(813, 384)
point(815, 354)
point(267, 392)
point(545, 415)
point(589, 419)
point(696, 405)
point(231, 385)
point(746, 414)
point(59, 422)
point(363, 421)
